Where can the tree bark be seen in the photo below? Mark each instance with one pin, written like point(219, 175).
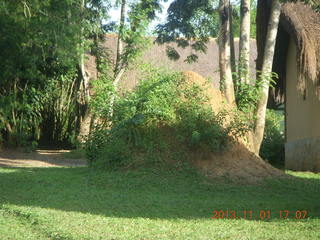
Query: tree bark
point(226, 82)
point(9, 133)
point(244, 42)
point(266, 73)
point(262, 20)
point(232, 49)
point(85, 113)
point(118, 65)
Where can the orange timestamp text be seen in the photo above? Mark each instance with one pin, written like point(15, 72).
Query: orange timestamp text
point(259, 215)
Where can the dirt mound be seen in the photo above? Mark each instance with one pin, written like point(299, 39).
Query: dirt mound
point(238, 163)
point(217, 100)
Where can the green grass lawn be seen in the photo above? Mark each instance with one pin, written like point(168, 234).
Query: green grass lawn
point(78, 203)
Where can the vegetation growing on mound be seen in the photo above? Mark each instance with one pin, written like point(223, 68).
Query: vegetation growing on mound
point(160, 122)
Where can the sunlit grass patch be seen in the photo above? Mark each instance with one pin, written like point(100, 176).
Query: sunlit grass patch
point(78, 203)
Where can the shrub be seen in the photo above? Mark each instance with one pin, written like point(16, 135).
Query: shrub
point(20, 115)
point(272, 148)
point(162, 115)
point(60, 110)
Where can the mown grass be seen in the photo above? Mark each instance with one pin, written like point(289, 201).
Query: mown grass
point(78, 203)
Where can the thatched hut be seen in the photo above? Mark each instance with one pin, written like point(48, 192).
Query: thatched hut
point(297, 62)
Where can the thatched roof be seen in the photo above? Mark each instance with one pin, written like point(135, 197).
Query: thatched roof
point(301, 23)
point(207, 64)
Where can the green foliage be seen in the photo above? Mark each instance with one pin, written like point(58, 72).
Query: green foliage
point(133, 30)
point(192, 20)
point(134, 33)
point(248, 94)
point(315, 4)
point(253, 26)
point(162, 113)
point(43, 44)
point(107, 149)
point(60, 109)
point(40, 44)
point(272, 148)
point(26, 113)
point(191, 23)
point(100, 102)
point(20, 114)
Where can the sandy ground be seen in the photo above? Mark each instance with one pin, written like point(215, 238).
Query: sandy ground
point(39, 158)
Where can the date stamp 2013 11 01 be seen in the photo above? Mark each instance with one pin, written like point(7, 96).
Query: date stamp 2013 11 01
point(259, 215)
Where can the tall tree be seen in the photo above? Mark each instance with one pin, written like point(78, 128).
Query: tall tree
point(119, 68)
point(226, 82)
point(131, 38)
point(232, 47)
point(120, 65)
point(265, 75)
point(244, 42)
point(85, 115)
point(179, 25)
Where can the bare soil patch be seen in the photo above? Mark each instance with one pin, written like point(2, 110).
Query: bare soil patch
point(39, 158)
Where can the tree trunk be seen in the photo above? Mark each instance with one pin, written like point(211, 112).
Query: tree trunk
point(9, 133)
point(266, 73)
point(85, 113)
point(244, 42)
point(119, 66)
point(226, 82)
point(232, 49)
point(262, 20)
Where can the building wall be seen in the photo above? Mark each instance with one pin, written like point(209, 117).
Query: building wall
point(302, 120)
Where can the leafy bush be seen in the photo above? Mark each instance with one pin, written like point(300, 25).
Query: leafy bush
point(106, 149)
point(20, 114)
point(248, 94)
point(59, 110)
point(162, 115)
point(100, 104)
point(272, 148)
point(28, 108)
point(247, 97)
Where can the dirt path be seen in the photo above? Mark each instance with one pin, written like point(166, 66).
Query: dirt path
point(39, 158)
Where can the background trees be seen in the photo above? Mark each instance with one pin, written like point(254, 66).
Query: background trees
point(43, 75)
point(262, 84)
point(42, 45)
point(44, 80)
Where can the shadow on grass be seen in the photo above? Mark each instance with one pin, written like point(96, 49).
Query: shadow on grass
point(154, 194)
